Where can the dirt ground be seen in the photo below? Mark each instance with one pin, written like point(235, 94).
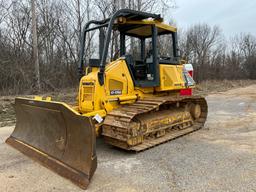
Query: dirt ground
point(219, 157)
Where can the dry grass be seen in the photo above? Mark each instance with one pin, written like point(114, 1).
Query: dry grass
point(7, 115)
point(214, 86)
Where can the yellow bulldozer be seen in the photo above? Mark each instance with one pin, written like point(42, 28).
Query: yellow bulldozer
point(133, 101)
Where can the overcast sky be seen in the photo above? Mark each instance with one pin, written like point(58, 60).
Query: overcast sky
point(233, 16)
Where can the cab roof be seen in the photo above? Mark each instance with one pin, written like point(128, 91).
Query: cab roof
point(142, 28)
point(139, 25)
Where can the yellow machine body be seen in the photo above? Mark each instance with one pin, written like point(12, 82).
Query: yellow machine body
point(96, 99)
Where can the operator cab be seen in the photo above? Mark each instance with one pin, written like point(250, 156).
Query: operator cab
point(145, 44)
point(144, 41)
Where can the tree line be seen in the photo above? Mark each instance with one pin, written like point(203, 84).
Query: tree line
point(59, 27)
point(215, 57)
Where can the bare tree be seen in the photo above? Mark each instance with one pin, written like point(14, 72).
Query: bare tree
point(200, 40)
point(247, 45)
point(35, 46)
point(59, 26)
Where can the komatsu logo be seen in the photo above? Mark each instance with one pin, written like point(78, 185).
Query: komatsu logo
point(116, 92)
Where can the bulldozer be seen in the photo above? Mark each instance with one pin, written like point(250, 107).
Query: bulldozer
point(132, 100)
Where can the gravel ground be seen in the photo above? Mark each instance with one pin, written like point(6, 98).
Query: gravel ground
point(219, 157)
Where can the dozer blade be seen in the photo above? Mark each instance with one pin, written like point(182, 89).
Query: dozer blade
point(56, 136)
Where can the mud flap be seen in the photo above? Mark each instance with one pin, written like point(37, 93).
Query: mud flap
point(56, 136)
